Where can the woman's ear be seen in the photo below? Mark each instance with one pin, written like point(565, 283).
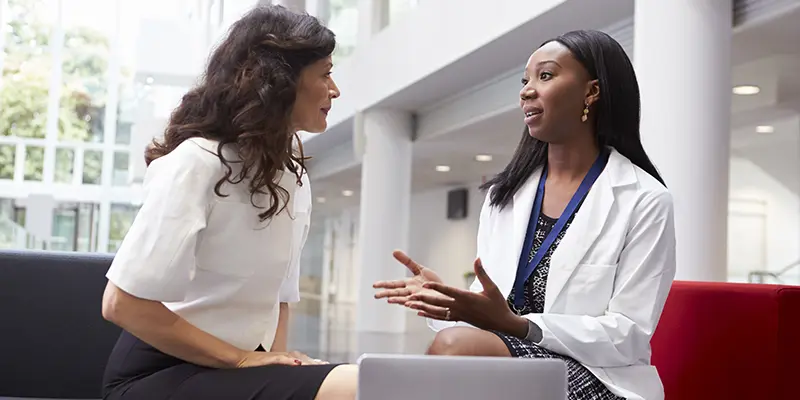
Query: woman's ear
point(592, 91)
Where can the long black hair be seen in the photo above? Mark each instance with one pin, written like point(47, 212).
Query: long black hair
point(617, 113)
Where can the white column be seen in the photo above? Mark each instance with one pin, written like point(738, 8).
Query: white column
point(109, 137)
point(39, 218)
point(54, 96)
point(682, 52)
point(383, 225)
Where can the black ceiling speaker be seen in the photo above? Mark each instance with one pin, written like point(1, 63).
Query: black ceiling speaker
point(457, 203)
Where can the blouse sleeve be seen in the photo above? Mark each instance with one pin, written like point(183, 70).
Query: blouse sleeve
point(156, 260)
point(290, 288)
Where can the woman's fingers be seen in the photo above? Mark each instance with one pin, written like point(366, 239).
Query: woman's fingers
point(389, 284)
point(404, 259)
point(441, 317)
point(433, 299)
point(430, 309)
point(283, 360)
point(398, 300)
point(448, 290)
point(404, 292)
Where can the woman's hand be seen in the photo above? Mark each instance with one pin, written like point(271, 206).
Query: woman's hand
point(486, 310)
point(259, 358)
point(398, 291)
point(306, 360)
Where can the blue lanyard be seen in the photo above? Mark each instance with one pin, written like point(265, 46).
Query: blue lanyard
point(525, 267)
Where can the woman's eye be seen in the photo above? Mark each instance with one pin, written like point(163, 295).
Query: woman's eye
point(545, 76)
point(524, 81)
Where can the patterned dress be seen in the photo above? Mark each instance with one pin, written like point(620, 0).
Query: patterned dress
point(582, 384)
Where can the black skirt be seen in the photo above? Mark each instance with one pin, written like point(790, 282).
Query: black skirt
point(138, 371)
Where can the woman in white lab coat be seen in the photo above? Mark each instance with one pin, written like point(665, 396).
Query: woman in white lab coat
point(202, 282)
point(576, 246)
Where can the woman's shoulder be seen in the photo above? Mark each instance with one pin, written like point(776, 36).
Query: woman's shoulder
point(195, 152)
point(195, 158)
point(651, 196)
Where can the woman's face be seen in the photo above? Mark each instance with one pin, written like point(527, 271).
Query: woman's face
point(315, 92)
point(556, 88)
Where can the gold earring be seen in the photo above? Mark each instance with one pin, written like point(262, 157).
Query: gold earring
point(585, 115)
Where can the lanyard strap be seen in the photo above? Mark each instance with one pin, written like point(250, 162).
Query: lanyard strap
point(526, 265)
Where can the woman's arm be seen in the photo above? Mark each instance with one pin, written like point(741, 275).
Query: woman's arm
point(282, 333)
point(644, 277)
point(155, 324)
point(156, 261)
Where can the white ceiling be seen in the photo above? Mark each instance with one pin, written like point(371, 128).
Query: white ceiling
point(773, 44)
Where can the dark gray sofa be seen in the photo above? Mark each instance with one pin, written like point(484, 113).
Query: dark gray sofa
point(54, 341)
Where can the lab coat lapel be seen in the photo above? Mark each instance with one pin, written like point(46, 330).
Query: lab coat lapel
point(581, 235)
point(521, 213)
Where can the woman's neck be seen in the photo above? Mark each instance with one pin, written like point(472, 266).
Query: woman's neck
point(569, 162)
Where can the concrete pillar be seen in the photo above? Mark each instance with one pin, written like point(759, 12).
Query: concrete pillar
point(682, 55)
point(383, 224)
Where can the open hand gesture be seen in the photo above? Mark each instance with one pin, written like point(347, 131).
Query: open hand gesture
point(398, 291)
point(486, 310)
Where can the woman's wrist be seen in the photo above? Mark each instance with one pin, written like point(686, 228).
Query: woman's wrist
point(517, 326)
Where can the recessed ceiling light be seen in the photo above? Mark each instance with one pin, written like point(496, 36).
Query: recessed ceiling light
point(746, 90)
point(347, 193)
point(765, 129)
point(321, 199)
point(483, 158)
point(442, 168)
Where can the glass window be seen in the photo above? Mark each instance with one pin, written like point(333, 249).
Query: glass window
point(344, 23)
point(120, 174)
point(64, 227)
point(34, 163)
point(122, 216)
point(75, 227)
point(92, 166)
point(65, 160)
point(8, 159)
point(86, 53)
point(26, 69)
point(400, 8)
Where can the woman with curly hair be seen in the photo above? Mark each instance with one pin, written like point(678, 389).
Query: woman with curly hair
point(202, 281)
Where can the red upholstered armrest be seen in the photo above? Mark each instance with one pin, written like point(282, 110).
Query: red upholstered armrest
point(729, 341)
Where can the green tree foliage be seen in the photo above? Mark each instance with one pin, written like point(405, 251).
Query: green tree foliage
point(24, 92)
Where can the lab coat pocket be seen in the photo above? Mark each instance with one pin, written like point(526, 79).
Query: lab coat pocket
point(590, 289)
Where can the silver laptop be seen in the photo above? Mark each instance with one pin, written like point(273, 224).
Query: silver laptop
point(417, 377)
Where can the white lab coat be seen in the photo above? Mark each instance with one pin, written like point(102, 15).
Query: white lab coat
point(609, 276)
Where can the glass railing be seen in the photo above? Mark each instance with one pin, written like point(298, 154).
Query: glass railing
point(14, 236)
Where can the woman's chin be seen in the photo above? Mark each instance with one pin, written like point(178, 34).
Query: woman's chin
point(315, 129)
point(537, 134)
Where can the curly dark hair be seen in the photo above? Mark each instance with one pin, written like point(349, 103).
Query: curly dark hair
point(246, 96)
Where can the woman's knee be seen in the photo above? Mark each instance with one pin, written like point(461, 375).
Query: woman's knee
point(340, 384)
point(465, 341)
point(449, 342)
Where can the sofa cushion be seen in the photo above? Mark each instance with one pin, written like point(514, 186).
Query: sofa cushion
point(55, 342)
point(728, 341)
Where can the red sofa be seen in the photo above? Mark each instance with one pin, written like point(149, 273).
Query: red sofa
point(729, 341)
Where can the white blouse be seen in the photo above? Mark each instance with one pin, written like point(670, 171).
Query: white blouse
point(209, 258)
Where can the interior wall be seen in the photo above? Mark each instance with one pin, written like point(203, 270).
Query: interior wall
point(753, 191)
point(447, 246)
